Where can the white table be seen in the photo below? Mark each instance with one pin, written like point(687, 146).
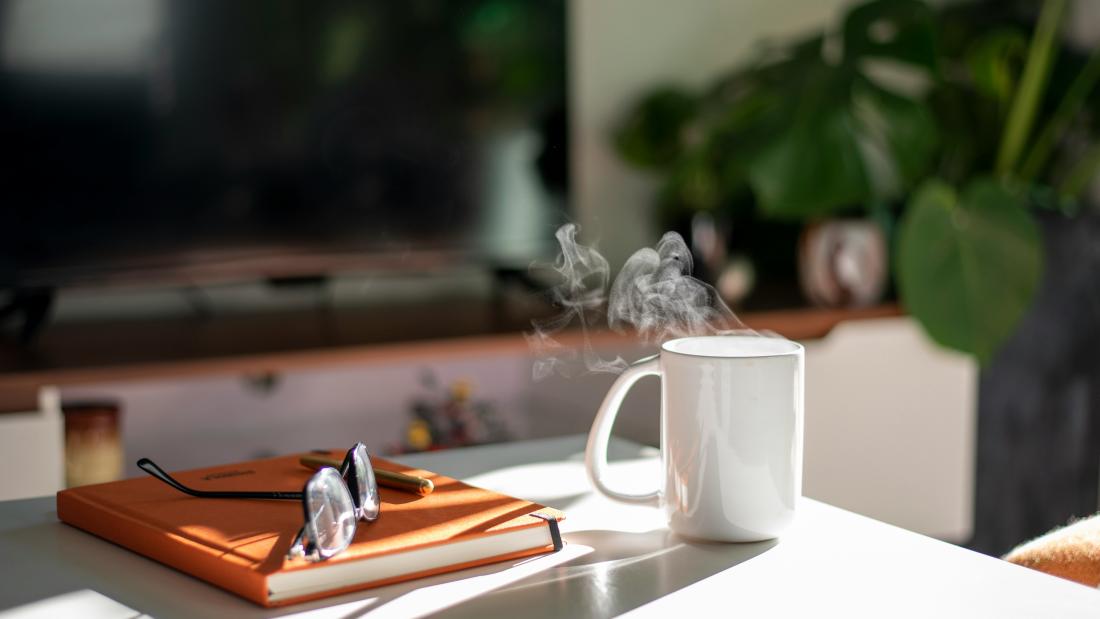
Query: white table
point(618, 559)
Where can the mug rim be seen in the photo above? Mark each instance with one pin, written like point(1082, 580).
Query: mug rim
point(796, 348)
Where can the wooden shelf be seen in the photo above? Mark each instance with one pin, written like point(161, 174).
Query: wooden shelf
point(277, 342)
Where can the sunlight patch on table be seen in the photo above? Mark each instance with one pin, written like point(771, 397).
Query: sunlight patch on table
point(84, 603)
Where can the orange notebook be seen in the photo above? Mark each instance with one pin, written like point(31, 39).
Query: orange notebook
point(241, 544)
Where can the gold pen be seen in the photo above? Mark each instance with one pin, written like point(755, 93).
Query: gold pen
point(389, 479)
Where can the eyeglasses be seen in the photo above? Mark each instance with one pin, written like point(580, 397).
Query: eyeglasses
point(333, 503)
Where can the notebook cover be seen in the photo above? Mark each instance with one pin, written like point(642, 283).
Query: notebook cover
point(237, 543)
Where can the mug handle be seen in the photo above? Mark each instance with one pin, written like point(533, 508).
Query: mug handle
point(595, 454)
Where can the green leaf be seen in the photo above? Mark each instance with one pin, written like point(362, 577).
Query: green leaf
point(904, 128)
point(968, 266)
point(653, 134)
point(855, 144)
point(901, 30)
point(1060, 120)
point(813, 168)
point(741, 128)
point(1026, 99)
point(995, 62)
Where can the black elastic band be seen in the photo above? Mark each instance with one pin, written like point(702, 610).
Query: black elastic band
point(555, 533)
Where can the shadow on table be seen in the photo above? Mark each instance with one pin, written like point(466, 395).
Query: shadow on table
point(604, 573)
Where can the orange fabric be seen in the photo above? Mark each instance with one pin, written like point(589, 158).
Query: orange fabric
point(237, 543)
point(1071, 552)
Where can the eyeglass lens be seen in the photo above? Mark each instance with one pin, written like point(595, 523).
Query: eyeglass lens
point(365, 483)
point(331, 512)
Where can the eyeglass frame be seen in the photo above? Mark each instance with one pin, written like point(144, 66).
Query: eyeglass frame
point(304, 544)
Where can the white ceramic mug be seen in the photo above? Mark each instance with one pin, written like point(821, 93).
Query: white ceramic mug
point(731, 435)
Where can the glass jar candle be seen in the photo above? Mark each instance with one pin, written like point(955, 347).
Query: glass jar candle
point(93, 443)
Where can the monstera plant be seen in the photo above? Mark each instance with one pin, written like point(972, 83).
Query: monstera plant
point(953, 122)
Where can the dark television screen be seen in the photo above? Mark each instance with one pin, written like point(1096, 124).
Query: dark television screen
point(275, 137)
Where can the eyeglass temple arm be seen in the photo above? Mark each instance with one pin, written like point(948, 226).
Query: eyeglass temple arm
point(298, 548)
point(151, 468)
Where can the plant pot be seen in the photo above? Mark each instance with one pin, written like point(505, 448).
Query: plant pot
point(843, 263)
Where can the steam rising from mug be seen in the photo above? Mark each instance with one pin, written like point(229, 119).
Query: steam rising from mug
point(654, 296)
point(581, 294)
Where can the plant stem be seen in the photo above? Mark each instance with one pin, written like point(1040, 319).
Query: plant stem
point(1081, 173)
point(1069, 107)
point(1036, 70)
